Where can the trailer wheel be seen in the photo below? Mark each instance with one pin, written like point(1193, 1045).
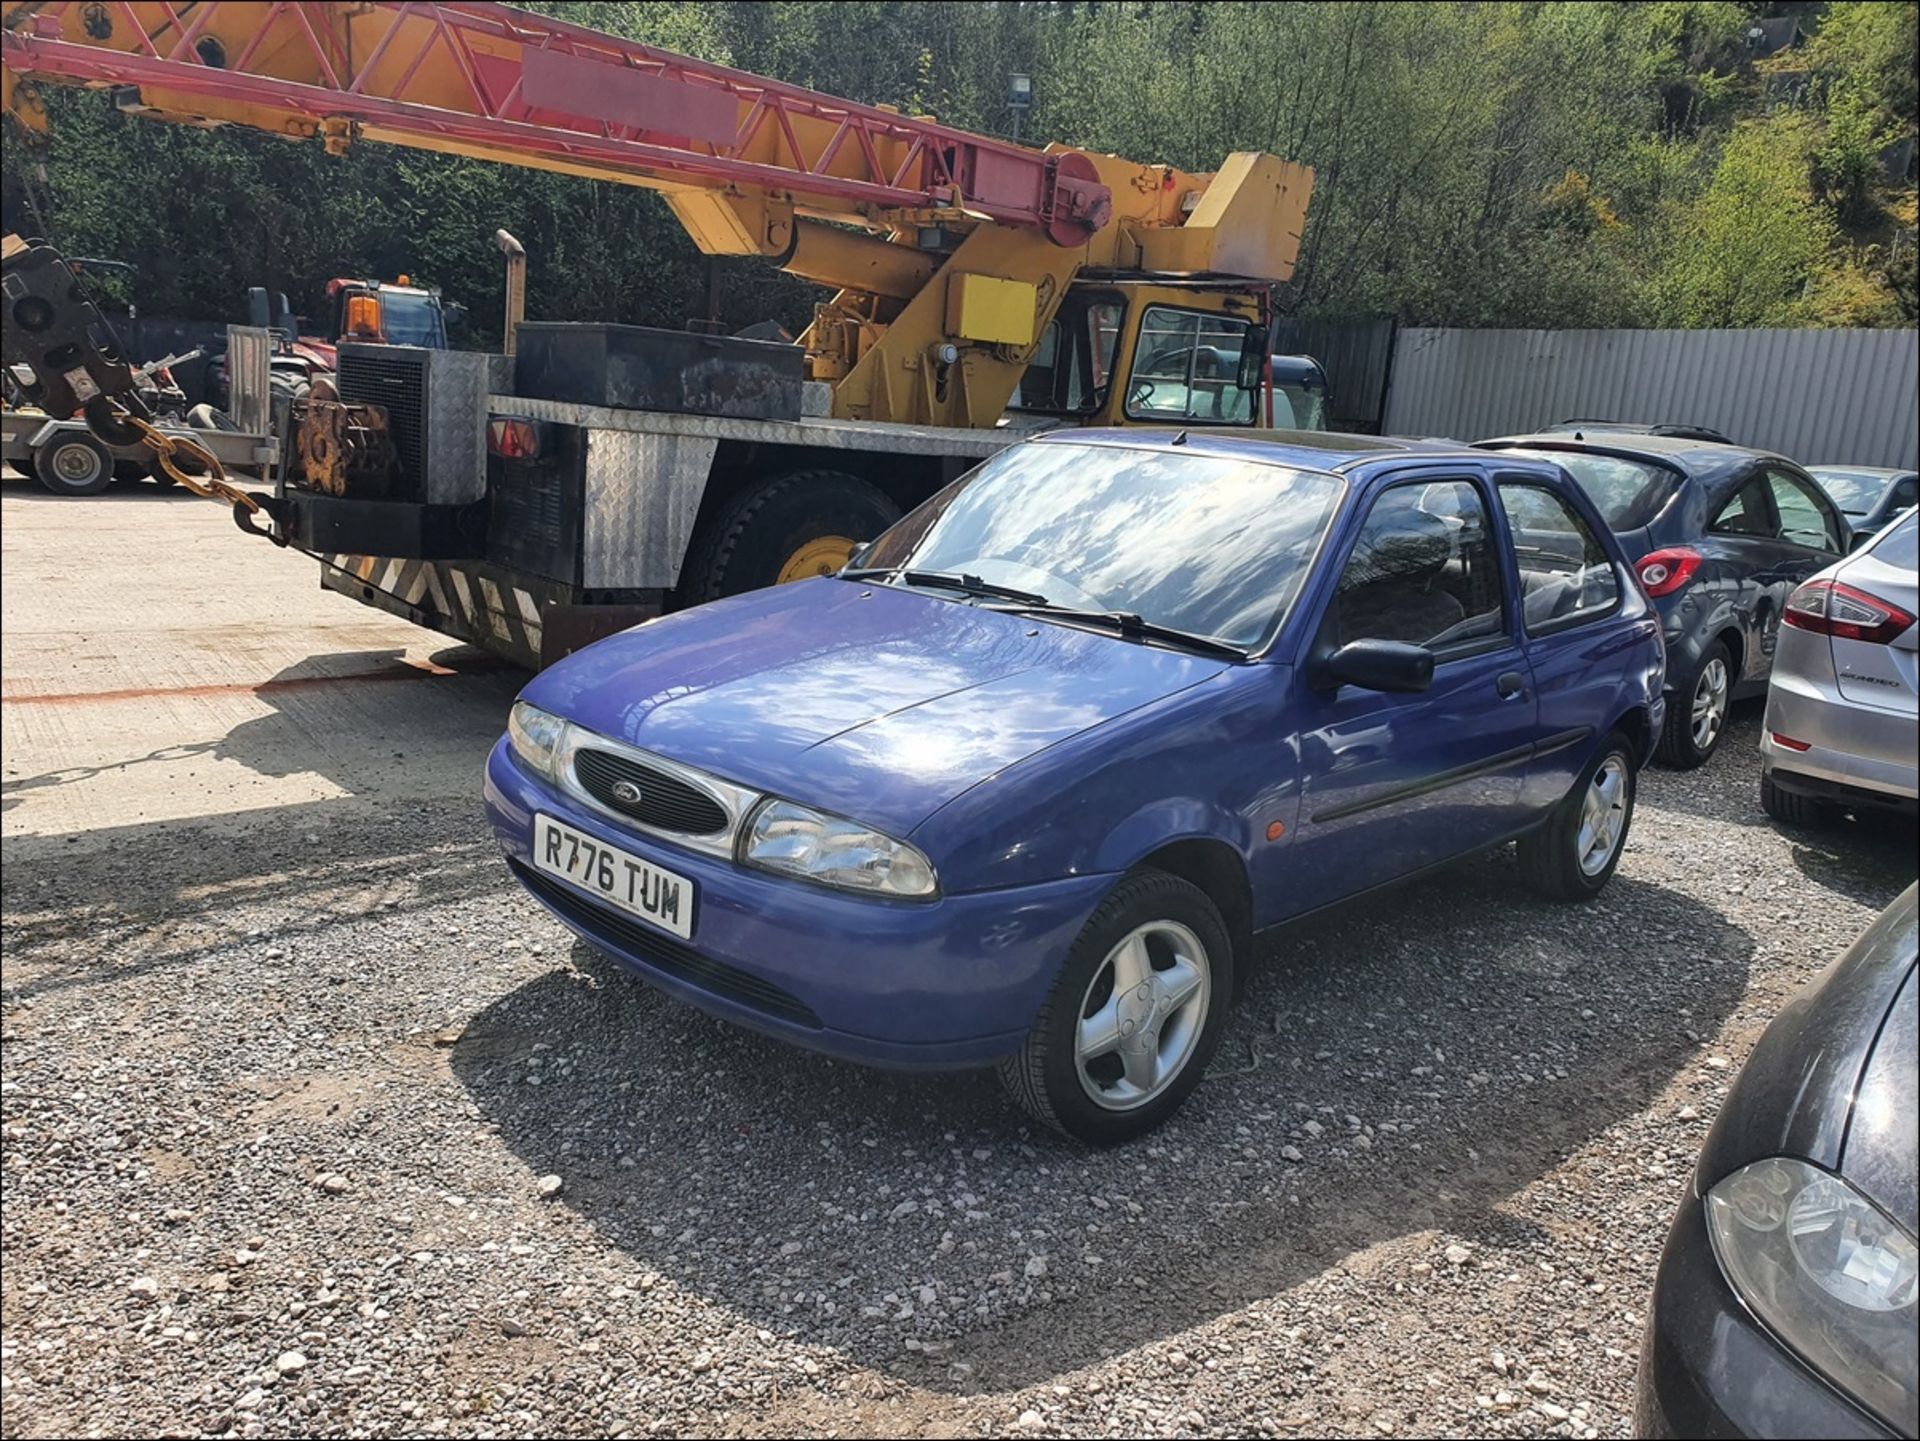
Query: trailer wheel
point(794, 526)
point(73, 464)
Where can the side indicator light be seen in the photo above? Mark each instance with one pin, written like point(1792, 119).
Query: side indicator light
point(1276, 829)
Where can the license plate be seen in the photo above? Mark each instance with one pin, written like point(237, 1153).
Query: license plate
point(636, 886)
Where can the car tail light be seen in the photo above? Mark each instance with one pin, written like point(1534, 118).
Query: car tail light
point(513, 439)
point(1790, 743)
point(1662, 572)
point(1829, 607)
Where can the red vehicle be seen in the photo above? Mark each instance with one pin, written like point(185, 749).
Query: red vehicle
point(399, 313)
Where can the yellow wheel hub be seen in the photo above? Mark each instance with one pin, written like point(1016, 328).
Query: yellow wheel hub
point(820, 556)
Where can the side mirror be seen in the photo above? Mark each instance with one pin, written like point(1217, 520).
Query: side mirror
point(1253, 357)
point(1382, 665)
point(259, 309)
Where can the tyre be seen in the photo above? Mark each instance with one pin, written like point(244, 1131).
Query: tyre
point(206, 417)
point(1572, 856)
point(126, 472)
point(1793, 810)
point(794, 526)
point(1697, 715)
point(1134, 1016)
point(74, 464)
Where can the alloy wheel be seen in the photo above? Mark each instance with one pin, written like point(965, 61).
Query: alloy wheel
point(1142, 1015)
point(1709, 703)
point(1603, 816)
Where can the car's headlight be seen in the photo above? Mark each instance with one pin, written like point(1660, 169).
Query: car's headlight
point(797, 841)
point(1828, 1272)
point(535, 736)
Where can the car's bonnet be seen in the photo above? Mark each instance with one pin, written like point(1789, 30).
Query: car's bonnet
point(1880, 1156)
point(869, 700)
point(1796, 1094)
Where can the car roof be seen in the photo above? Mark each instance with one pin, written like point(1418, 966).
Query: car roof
point(1302, 449)
point(1695, 457)
point(1885, 472)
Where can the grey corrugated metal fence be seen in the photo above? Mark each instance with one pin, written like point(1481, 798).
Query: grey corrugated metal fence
point(1819, 396)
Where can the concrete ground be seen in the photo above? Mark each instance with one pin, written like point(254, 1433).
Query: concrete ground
point(315, 1124)
point(163, 667)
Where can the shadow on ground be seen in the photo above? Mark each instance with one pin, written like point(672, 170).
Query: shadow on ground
point(1346, 1012)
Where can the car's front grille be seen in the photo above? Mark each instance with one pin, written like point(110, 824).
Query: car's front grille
point(663, 953)
point(650, 796)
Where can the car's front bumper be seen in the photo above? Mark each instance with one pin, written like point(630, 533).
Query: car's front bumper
point(1855, 753)
point(951, 982)
point(1709, 1368)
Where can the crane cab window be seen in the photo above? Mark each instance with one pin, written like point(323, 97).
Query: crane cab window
point(1072, 366)
point(1186, 367)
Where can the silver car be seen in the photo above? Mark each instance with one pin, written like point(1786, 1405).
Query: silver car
point(1841, 709)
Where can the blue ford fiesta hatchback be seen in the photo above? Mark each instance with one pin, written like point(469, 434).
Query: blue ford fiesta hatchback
point(1022, 788)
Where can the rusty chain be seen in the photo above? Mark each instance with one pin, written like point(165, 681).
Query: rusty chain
point(214, 484)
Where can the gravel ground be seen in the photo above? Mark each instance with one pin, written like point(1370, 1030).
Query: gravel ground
point(333, 1131)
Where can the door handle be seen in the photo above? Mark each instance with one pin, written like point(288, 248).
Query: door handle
point(1512, 685)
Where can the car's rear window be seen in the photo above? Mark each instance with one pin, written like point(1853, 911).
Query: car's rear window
point(1900, 545)
point(1627, 493)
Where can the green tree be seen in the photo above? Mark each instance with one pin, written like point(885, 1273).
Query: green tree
point(1746, 252)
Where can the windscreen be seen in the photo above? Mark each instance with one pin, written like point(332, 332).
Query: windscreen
point(411, 318)
point(1854, 491)
point(1210, 545)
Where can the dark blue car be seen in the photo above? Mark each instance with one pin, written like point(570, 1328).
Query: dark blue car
point(1022, 789)
point(1720, 536)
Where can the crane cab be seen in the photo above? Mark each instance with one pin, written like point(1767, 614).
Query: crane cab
point(1142, 353)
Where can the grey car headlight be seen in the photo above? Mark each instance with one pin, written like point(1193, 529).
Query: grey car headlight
point(535, 736)
point(795, 840)
point(1828, 1272)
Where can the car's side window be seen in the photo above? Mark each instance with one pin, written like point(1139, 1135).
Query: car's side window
point(1424, 570)
point(1805, 519)
point(1747, 513)
point(1565, 574)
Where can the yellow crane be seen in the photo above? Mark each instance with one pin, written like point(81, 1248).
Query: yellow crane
point(951, 253)
point(980, 289)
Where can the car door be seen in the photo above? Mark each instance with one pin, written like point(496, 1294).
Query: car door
point(1393, 783)
point(1570, 590)
point(1750, 567)
point(1808, 536)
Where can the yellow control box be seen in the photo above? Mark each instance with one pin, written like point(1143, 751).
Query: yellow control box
point(989, 309)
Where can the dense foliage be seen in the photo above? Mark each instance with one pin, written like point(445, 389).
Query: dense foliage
point(1502, 163)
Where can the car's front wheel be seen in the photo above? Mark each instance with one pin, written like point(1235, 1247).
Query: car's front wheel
point(1134, 1016)
point(1574, 855)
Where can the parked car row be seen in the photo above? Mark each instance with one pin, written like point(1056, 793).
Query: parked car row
point(1765, 586)
point(1022, 785)
point(1074, 731)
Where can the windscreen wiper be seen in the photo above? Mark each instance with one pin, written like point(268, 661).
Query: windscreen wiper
point(968, 584)
point(1129, 626)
